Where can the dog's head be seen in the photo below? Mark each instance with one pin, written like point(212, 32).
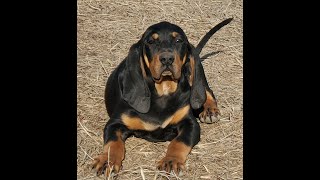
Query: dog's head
point(163, 52)
point(164, 49)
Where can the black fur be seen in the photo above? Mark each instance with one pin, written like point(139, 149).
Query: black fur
point(130, 92)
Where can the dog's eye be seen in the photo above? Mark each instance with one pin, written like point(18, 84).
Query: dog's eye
point(179, 40)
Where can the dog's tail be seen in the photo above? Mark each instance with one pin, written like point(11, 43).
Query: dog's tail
point(206, 38)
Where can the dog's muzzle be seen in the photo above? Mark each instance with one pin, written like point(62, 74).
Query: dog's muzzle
point(166, 58)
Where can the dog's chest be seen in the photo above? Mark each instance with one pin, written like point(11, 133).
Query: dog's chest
point(153, 122)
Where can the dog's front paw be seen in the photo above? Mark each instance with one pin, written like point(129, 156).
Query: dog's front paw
point(210, 113)
point(170, 163)
point(108, 165)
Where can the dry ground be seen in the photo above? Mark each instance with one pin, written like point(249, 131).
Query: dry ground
point(106, 30)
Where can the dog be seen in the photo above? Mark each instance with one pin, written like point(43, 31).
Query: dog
point(156, 93)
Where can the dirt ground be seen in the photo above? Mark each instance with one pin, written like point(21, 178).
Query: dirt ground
point(106, 30)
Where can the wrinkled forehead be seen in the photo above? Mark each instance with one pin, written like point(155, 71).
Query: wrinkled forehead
point(164, 29)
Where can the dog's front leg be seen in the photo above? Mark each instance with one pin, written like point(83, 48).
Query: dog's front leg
point(210, 109)
point(180, 147)
point(110, 160)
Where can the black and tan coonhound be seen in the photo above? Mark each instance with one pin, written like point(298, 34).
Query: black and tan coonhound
point(156, 93)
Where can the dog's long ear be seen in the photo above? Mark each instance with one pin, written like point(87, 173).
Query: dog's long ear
point(196, 77)
point(134, 88)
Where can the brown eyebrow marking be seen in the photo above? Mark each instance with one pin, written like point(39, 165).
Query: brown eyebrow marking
point(155, 36)
point(175, 34)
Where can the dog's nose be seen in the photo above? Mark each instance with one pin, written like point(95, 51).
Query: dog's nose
point(166, 58)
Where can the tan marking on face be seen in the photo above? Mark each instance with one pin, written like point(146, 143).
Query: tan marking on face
point(155, 36)
point(155, 66)
point(175, 34)
point(166, 87)
point(176, 65)
point(135, 123)
point(146, 59)
point(179, 150)
point(184, 58)
point(142, 68)
point(177, 116)
point(192, 69)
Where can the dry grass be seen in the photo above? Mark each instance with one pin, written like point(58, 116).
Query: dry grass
point(106, 30)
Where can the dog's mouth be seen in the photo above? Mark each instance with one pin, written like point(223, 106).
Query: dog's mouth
point(165, 75)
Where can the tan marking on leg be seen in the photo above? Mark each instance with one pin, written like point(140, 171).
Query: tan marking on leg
point(210, 101)
point(179, 150)
point(175, 158)
point(209, 97)
point(210, 110)
point(113, 155)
